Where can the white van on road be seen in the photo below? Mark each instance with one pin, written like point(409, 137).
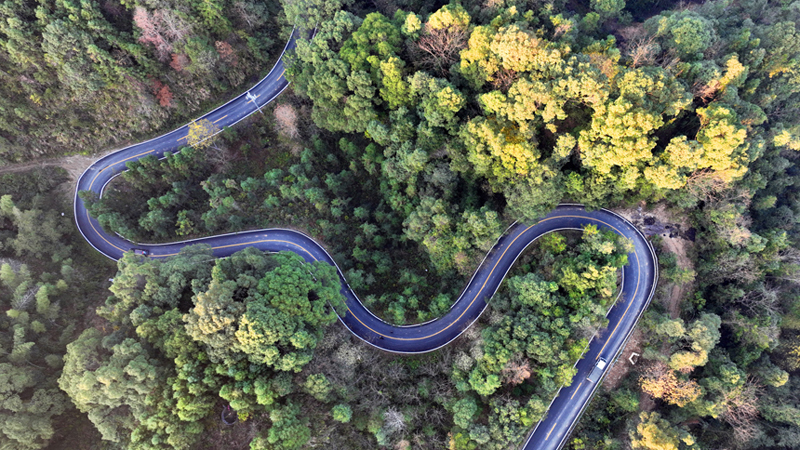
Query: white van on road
point(595, 374)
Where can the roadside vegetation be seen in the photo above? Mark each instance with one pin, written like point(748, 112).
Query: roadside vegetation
point(414, 135)
point(83, 77)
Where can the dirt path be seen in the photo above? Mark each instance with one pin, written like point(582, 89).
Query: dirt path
point(76, 160)
point(677, 291)
point(676, 237)
point(74, 165)
point(623, 366)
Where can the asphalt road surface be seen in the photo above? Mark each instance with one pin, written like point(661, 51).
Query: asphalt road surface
point(639, 276)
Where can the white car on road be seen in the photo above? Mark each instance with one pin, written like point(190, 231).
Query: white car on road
point(597, 371)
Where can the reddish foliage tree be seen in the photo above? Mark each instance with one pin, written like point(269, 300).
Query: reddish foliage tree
point(151, 31)
point(156, 85)
point(179, 62)
point(286, 117)
point(163, 93)
point(164, 96)
point(503, 79)
point(227, 53)
point(516, 371)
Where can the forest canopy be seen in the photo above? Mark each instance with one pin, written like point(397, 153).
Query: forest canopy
point(85, 76)
point(255, 320)
point(543, 112)
point(412, 135)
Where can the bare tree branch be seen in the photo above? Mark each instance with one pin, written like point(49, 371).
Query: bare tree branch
point(442, 47)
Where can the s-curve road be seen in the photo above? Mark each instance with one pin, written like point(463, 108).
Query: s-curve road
point(639, 276)
point(103, 170)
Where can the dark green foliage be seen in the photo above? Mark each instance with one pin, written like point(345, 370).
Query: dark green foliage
point(30, 401)
point(25, 187)
point(174, 189)
point(32, 224)
point(152, 382)
point(460, 122)
point(289, 431)
point(308, 13)
point(780, 407)
point(119, 384)
point(318, 193)
point(45, 287)
point(464, 411)
point(37, 232)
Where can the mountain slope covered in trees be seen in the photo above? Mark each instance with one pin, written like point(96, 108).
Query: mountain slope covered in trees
point(92, 75)
point(415, 133)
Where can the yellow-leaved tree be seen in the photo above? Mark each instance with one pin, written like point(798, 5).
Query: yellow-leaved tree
point(655, 433)
point(201, 134)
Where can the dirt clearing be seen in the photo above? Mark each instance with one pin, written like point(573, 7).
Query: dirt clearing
point(75, 165)
point(620, 370)
point(677, 238)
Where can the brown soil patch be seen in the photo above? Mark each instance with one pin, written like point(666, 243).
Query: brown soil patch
point(677, 245)
point(620, 370)
point(677, 291)
point(232, 437)
point(74, 164)
point(646, 402)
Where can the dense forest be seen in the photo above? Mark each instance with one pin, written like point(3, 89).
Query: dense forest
point(413, 134)
point(92, 75)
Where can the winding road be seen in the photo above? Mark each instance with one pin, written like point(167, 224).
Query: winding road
point(639, 276)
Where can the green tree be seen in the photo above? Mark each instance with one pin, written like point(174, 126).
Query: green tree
point(342, 413)
point(608, 8)
point(507, 420)
point(308, 13)
point(375, 40)
point(38, 233)
point(287, 432)
point(439, 100)
point(703, 335)
point(463, 412)
point(394, 90)
point(112, 391)
point(292, 303)
point(686, 31)
point(166, 282)
point(33, 337)
point(318, 386)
